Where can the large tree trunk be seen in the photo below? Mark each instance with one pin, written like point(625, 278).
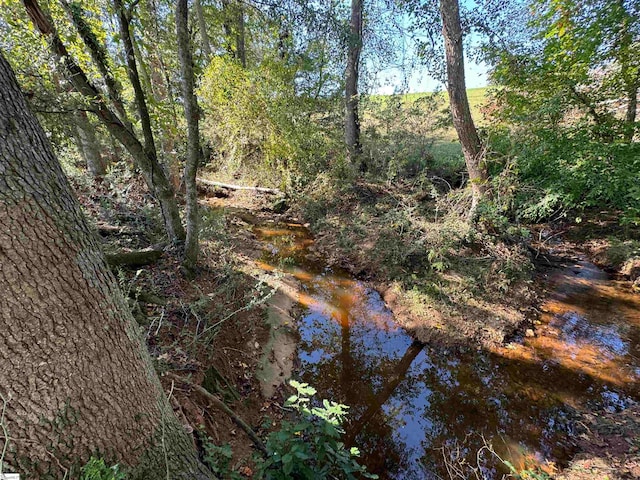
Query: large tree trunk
point(151, 170)
point(75, 377)
point(193, 143)
point(459, 103)
point(351, 117)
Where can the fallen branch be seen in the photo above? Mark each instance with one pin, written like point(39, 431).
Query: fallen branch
point(135, 258)
point(211, 183)
point(105, 230)
point(219, 404)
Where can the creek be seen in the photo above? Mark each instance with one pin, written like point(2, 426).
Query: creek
point(415, 408)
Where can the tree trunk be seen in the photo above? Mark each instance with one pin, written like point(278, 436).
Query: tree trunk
point(227, 27)
point(134, 78)
point(151, 170)
point(193, 142)
point(459, 103)
point(75, 377)
point(89, 146)
point(241, 53)
point(632, 108)
point(351, 118)
point(98, 54)
point(202, 25)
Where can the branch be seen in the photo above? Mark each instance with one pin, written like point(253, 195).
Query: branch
point(211, 183)
point(219, 404)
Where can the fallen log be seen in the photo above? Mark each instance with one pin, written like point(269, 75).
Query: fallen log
point(134, 258)
point(211, 183)
point(105, 230)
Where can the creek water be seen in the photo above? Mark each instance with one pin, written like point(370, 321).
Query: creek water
point(414, 408)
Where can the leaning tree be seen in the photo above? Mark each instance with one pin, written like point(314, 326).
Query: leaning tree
point(75, 377)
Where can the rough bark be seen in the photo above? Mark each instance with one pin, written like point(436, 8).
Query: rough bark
point(151, 170)
point(458, 100)
point(89, 146)
point(351, 117)
point(204, 36)
point(74, 375)
point(193, 134)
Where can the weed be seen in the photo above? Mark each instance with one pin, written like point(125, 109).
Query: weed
point(97, 469)
point(218, 458)
point(310, 447)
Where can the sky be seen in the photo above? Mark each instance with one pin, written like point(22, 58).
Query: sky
point(420, 81)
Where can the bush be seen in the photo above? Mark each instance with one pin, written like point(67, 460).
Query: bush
point(310, 447)
point(260, 126)
point(567, 168)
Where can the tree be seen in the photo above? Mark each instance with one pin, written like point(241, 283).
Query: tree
point(193, 143)
point(204, 36)
point(351, 117)
point(458, 100)
point(578, 58)
point(88, 145)
point(75, 377)
point(151, 170)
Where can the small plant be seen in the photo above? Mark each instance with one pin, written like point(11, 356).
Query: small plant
point(97, 469)
point(218, 458)
point(310, 448)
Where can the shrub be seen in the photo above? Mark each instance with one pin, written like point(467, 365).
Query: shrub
point(310, 446)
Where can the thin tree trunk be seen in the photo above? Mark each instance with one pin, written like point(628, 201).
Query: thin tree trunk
point(632, 108)
point(241, 53)
point(99, 56)
point(351, 119)
point(75, 377)
point(459, 102)
point(151, 170)
point(193, 133)
point(89, 145)
point(134, 78)
point(226, 26)
point(204, 36)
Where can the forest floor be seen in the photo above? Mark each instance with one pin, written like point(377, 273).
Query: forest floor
point(229, 326)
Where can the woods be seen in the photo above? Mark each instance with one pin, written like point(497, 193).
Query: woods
point(246, 206)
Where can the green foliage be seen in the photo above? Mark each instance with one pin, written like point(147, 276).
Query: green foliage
point(310, 447)
point(567, 168)
point(218, 458)
point(564, 96)
point(527, 474)
point(97, 469)
point(260, 125)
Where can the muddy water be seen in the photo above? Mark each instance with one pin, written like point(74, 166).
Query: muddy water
point(413, 405)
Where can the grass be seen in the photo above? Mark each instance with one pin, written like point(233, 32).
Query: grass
point(446, 148)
